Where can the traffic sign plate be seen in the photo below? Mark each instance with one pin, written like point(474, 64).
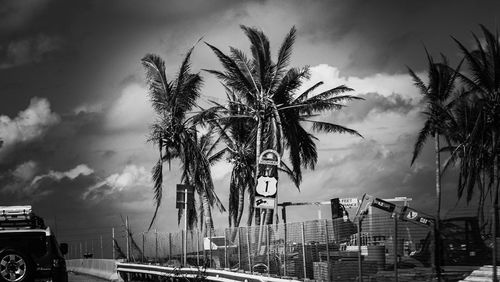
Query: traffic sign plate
point(264, 202)
point(267, 186)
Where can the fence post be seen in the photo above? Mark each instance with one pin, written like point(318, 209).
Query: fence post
point(360, 263)
point(156, 246)
point(113, 235)
point(169, 246)
point(143, 242)
point(327, 251)
point(285, 251)
point(248, 251)
point(225, 249)
point(303, 248)
point(395, 246)
point(210, 245)
point(239, 247)
point(495, 245)
point(198, 247)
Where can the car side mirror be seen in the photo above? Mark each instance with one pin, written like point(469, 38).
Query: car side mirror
point(64, 248)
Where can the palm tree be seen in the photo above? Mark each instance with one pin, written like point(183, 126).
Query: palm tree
point(437, 94)
point(174, 132)
point(268, 95)
point(483, 81)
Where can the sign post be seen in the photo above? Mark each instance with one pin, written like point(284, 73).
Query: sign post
point(267, 186)
point(185, 199)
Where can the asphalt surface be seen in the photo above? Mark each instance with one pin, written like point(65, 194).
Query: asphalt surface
point(72, 277)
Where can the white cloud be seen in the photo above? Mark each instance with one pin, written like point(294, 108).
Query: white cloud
point(131, 176)
point(383, 84)
point(29, 124)
point(131, 111)
point(73, 173)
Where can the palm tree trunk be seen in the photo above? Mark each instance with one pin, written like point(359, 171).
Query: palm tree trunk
point(207, 212)
point(437, 244)
point(257, 155)
point(241, 205)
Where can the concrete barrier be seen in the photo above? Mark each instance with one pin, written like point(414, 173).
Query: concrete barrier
point(101, 268)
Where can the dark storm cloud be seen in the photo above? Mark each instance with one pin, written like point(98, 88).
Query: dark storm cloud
point(385, 36)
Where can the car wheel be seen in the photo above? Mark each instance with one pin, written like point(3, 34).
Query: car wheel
point(15, 267)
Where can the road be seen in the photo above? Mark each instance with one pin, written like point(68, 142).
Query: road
point(82, 278)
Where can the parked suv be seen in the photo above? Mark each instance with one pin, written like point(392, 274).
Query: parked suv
point(28, 249)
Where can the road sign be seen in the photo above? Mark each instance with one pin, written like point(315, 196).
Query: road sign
point(269, 157)
point(267, 186)
point(349, 202)
point(181, 190)
point(410, 214)
point(383, 205)
point(265, 202)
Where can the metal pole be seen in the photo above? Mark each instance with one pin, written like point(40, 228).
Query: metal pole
point(169, 246)
point(248, 251)
point(239, 247)
point(198, 247)
point(285, 248)
point(143, 239)
point(81, 255)
point(185, 225)
point(102, 250)
point(183, 233)
point(92, 244)
point(263, 216)
point(360, 265)
point(210, 234)
point(327, 251)
point(113, 236)
point(395, 246)
point(156, 245)
point(268, 239)
point(495, 245)
point(225, 249)
point(128, 239)
point(303, 249)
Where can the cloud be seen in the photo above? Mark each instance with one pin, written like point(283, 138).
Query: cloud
point(373, 104)
point(131, 176)
point(28, 125)
point(73, 173)
point(132, 110)
point(380, 83)
point(17, 181)
point(30, 50)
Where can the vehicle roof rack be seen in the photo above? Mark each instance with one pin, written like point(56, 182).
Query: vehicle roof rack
point(19, 217)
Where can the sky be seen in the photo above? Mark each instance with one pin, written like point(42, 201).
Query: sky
point(75, 114)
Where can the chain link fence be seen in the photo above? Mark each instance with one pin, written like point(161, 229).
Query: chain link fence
point(380, 247)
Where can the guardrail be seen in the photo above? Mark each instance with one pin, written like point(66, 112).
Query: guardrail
point(101, 268)
point(132, 269)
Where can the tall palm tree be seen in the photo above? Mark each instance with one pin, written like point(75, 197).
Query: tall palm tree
point(437, 95)
point(174, 132)
point(268, 94)
point(483, 80)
